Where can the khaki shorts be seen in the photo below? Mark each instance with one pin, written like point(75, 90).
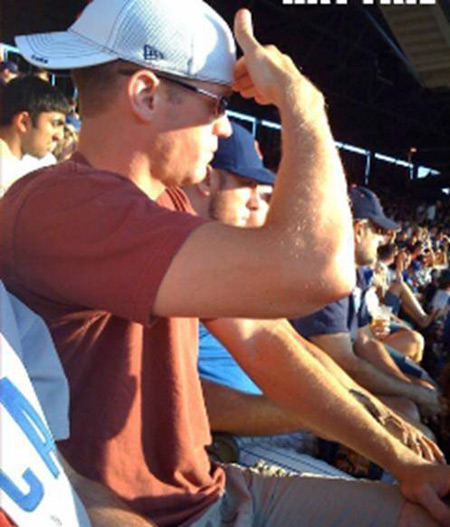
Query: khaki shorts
point(255, 498)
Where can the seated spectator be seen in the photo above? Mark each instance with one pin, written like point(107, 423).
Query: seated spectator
point(441, 298)
point(68, 144)
point(32, 115)
point(389, 289)
point(438, 335)
point(8, 71)
point(343, 330)
point(34, 404)
point(234, 193)
point(396, 292)
point(32, 380)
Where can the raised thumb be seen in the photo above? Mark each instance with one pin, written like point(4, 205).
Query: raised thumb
point(243, 31)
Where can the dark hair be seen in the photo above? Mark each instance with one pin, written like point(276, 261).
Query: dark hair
point(32, 95)
point(385, 252)
point(9, 65)
point(444, 279)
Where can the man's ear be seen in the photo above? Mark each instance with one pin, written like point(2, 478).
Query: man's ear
point(204, 187)
point(144, 92)
point(358, 228)
point(22, 122)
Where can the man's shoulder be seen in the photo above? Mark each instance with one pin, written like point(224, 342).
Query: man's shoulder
point(66, 185)
point(330, 319)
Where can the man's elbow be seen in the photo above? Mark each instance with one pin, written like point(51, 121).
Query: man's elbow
point(340, 279)
point(336, 265)
point(311, 289)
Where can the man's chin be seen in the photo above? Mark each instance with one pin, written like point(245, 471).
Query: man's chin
point(196, 177)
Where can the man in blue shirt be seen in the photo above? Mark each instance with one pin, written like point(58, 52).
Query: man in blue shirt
point(236, 192)
point(342, 328)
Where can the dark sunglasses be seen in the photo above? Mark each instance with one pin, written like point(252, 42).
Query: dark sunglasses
point(221, 101)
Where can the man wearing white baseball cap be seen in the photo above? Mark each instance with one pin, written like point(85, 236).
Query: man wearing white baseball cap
point(105, 249)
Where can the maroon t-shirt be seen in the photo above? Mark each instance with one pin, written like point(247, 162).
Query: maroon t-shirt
point(5, 521)
point(87, 250)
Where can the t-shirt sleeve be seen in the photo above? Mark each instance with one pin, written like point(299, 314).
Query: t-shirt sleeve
point(5, 521)
point(331, 319)
point(98, 242)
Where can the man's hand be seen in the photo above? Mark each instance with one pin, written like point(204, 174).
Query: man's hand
point(413, 438)
point(380, 329)
point(409, 435)
point(267, 75)
point(427, 485)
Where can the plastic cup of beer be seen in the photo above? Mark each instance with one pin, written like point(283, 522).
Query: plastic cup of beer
point(381, 317)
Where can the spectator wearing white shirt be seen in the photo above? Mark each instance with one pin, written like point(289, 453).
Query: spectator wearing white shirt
point(32, 115)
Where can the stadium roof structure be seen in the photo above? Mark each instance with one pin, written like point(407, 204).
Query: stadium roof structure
point(384, 70)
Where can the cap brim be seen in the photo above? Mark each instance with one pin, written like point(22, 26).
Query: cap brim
point(385, 223)
point(62, 50)
point(260, 175)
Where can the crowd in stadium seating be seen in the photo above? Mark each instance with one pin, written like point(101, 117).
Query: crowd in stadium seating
point(325, 338)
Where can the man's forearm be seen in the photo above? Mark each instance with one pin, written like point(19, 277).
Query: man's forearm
point(295, 379)
point(241, 413)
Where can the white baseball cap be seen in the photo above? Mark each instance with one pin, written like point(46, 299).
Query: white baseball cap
point(181, 37)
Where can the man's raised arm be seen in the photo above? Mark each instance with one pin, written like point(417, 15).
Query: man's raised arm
point(303, 256)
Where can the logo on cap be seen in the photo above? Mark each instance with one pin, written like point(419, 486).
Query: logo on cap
point(39, 59)
point(151, 53)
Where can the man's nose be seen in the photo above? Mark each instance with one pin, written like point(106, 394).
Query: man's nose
point(58, 134)
point(222, 126)
point(254, 202)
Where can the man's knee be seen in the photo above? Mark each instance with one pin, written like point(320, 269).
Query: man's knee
point(418, 340)
point(415, 516)
point(410, 342)
point(417, 343)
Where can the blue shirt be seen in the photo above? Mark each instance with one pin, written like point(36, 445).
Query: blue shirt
point(216, 364)
point(344, 316)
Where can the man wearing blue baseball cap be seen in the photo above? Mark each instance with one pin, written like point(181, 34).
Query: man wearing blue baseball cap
point(233, 194)
point(8, 71)
point(121, 271)
point(238, 187)
point(342, 327)
point(236, 192)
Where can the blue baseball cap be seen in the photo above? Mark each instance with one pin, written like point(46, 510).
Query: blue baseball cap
point(237, 154)
point(366, 205)
point(9, 65)
point(76, 123)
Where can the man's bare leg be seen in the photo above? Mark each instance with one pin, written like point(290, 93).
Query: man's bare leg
point(410, 304)
point(407, 341)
